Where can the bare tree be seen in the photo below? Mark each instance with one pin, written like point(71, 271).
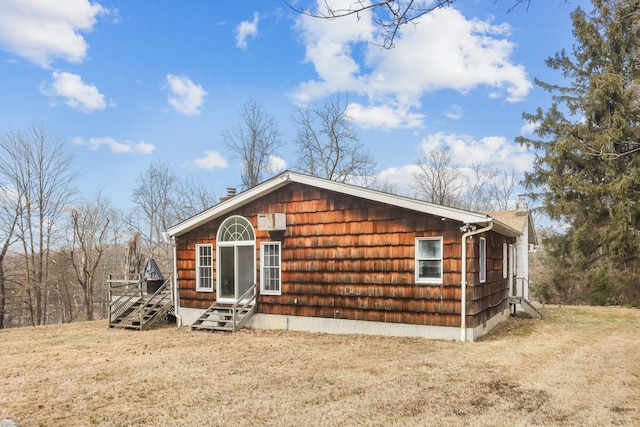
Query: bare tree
point(9, 214)
point(154, 211)
point(36, 165)
point(191, 197)
point(480, 188)
point(478, 185)
point(161, 200)
point(388, 15)
point(89, 222)
point(328, 144)
point(385, 185)
point(66, 304)
point(502, 189)
point(254, 139)
point(438, 180)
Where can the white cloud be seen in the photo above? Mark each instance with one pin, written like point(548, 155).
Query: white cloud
point(490, 150)
point(211, 160)
point(115, 146)
point(386, 117)
point(400, 180)
point(246, 29)
point(329, 46)
point(444, 50)
point(529, 127)
point(275, 164)
point(454, 112)
point(42, 30)
point(447, 51)
point(75, 93)
point(186, 97)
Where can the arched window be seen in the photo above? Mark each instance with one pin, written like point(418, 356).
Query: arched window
point(236, 229)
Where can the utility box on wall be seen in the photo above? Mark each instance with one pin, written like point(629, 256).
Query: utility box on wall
point(272, 222)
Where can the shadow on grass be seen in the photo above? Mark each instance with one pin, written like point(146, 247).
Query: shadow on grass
point(519, 326)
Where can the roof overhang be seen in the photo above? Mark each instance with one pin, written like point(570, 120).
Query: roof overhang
point(505, 229)
point(289, 177)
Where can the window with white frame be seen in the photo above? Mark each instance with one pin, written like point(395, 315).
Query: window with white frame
point(505, 261)
point(204, 268)
point(270, 268)
point(483, 260)
point(429, 260)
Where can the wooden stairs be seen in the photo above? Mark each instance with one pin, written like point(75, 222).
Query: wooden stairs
point(228, 317)
point(526, 306)
point(132, 309)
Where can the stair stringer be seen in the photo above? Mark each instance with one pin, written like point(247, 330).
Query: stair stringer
point(526, 306)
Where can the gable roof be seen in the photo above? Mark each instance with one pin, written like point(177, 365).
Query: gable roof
point(288, 177)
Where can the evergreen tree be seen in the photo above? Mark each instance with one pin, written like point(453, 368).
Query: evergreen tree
point(587, 170)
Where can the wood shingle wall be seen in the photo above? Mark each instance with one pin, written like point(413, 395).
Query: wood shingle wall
point(350, 258)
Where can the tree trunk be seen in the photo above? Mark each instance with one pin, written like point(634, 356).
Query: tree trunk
point(30, 308)
point(69, 304)
point(3, 299)
point(88, 297)
point(37, 293)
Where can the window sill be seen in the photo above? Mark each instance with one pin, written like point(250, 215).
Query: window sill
point(275, 293)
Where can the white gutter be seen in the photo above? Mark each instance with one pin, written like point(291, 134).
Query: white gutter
point(463, 302)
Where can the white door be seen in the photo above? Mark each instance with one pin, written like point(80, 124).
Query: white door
point(236, 260)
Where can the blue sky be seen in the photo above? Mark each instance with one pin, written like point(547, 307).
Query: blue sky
point(127, 83)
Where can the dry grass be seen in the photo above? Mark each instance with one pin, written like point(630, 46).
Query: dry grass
point(580, 366)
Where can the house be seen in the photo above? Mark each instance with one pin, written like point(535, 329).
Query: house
point(332, 257)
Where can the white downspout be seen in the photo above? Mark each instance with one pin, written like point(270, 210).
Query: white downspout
point(463, 310)
point(176, 297)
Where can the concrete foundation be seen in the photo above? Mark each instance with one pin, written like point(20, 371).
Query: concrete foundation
point(344, 326)
point(481, 330)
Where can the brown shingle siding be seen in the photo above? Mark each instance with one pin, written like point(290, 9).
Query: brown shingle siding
point(350, 258)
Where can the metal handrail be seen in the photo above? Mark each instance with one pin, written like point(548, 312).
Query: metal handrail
point(161, 301)
point(520, 282)
point(235, 307)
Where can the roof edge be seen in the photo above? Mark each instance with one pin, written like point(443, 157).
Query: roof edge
point(287, 177)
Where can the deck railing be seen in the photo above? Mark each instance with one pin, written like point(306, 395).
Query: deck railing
point(123, 293)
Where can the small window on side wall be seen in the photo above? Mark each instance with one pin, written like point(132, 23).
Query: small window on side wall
point(204, 268)
point(483, 260)
point(429, 260)
point(270, 268)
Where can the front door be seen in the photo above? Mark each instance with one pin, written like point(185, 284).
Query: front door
point(236, 259)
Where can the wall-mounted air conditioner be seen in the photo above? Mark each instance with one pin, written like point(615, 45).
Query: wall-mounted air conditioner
point(272, 222)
